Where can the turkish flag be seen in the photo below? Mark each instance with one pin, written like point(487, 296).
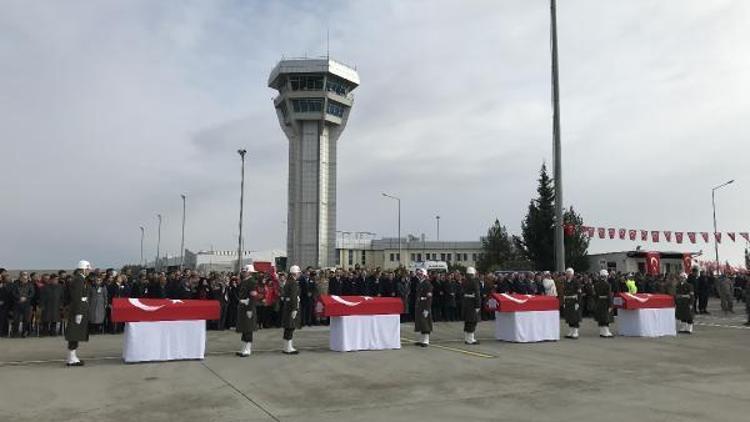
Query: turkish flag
point(632, 234)
point(590, 232)
point(668, 235)
point(746, 236)
point(653, 262)
point(731, 236)
point(569, 229)
point(687, 262)
point(622, 234)
point(655, 236)
point(691, 236)
point(718, 237)
point(678, 236)
point(612, 233)
point(705, 236)
point(137, 310)
point(644, 235)
point(601, 232)
point(358, 305)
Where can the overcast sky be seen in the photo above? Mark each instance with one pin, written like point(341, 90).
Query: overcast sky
point(110, 109)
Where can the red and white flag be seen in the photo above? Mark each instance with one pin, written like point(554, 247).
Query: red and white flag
point(612, 233)
point(590, 232)
point(691, 236)
point(678, 236)
point(602, 232)
point(746, 235)
point(704, 235)
point(622, 234)
point(717, 236)
point(655, 236)
point(632, 234)
point(644, 235)
point(668, 235)
point(731, 236)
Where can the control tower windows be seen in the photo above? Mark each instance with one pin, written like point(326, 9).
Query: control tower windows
point(336, 86)
point(305, 105)
point(306, 83)
point(335, 109)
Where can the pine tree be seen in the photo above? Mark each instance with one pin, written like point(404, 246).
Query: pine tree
point(498, 250)
point(577, 244)
point(538, 228)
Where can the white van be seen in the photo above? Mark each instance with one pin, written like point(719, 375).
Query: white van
point(430, 266)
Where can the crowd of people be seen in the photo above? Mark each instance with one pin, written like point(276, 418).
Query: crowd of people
point(35, 304)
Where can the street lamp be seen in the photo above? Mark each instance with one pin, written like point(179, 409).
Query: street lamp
point(182, 242)
point(556, 145)
point(713, 201)
point(400, 254)
point(158, 243)
point(437, 217)
point(143, 233)
point(242, 153)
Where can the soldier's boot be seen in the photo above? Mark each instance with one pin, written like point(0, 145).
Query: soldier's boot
point(289, 349)
point(467, 338)
point(73, 359)
point(573, 333)
point(604, 332)
point(682, 328)
point(247, 349)
point(689, 329)
point(425, 340)
point(474, 339)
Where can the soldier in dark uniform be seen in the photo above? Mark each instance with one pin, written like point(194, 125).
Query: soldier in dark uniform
point(51, 304)
point(290, 317)
point(246, 312)
point(23, 293)
point(603, 306)
point(684, 299)
point(572, 303)
point(423, 317)
point(472, 303)
point(78, 311)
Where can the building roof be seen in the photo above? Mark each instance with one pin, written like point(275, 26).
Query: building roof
point(318, 65)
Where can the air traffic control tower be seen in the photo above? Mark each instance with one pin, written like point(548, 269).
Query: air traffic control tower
point(313, 106)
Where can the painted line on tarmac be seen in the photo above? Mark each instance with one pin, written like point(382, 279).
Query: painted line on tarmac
point(453, 349)
point(737, 327)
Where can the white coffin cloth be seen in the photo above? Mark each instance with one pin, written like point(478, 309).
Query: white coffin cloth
point(649, 322)
point(527, 326)
point(164, 340)
point(365, 332)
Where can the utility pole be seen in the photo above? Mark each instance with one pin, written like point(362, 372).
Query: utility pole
point(437, 217)
point(557, 150)
point(400, 251)
point(158, 244)
point(182, 242)
point(713, 202)
point(242, 153)
point(143, 233)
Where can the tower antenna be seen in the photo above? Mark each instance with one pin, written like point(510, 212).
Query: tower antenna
point(328, 43)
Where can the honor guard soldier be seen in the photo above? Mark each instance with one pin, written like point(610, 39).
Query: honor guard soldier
point(78, 312)
point(572, 303)
point(246, 315)
point(423, 317)
point(472, 302)
point(683, 299)
point(290, 318)
point(603, 304)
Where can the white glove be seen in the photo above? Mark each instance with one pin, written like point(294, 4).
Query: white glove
point(476, 310)
point(249, 314)
point(79, 319)
point(245, 302)
point(425, 313)
point(294, 314)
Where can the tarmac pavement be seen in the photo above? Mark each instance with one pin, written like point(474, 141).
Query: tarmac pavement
point(699, 377)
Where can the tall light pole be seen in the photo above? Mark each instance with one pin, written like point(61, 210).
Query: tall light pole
point(400, 254)
point(158, 244)
point(182, 242)
point(437, 218)
point(143, 234)
point(713, 202)
point(242, 153)
point(559, 239)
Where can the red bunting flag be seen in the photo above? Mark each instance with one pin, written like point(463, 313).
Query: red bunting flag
point(612, 233)
point(655, 236)
point(668, 236)
point(632, 234)
point(746, 235)
point(731, 236)
point(622, 234)
point(691, 236)
point(590, 232)
point(653, 262)
point(602, 232)
point(705, 236)
point(717, 236)
point(678, 237)
point(644, 236)
point(687, 262)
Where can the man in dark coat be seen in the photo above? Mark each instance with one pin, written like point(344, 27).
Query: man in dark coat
point(246, 312)
point(572, 303)
point(472, 302)
point(78, 310)
point(51, 303)
point(603, 304)
point(746, 297)
point(23, 294)
point(423, 317)
point(290, 315)
point(684, 299)
point(703, 292)
point(5, 301)
point(336, 284)
point(387, 286)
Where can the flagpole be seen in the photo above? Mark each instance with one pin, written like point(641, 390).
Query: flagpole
point(559, 235)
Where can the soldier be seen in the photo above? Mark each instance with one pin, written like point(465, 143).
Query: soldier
point(246, 311)
point(472, 302)
point(423, 317)
point(603, 306)
point(684, 298)
point(78, 310)
point(572, 303)
point(23, 293)
point(290, 318)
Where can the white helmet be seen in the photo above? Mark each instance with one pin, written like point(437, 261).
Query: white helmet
point(83, 265)
point(114, 273)
point(683, 275)
point(294, 269)
point(471, 271)
point(249, 268)
point(421, 271)
point(570, 271)
point(604, 273)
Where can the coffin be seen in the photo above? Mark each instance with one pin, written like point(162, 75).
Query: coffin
point(511, 302)
point(140, 310)
point(336, 306)
point(631, 301)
